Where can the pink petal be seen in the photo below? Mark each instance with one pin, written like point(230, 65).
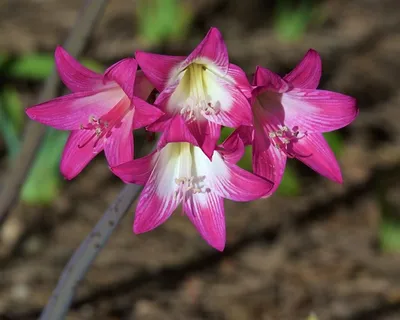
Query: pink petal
point(307, 73)
point(246, 134)
point(176, 130)
point(145, 113)
point(124, 73)
point(240, 79)
point(206, 212)
point(158, 68)
point(78, 152)
point(232, 149)
point(136, 171)
point(157, 201)
point(268, 162)
point(74, 75)
point(206, 135)
point(143, 86)
point(119, 145)
point(237, 114)
point(318, 110)
point(239, 184)
point(211, 138)
point(315, 152)
point(211, 49)
point(73, 110)
point(269, 80)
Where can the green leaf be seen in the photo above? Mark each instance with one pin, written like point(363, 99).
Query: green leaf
point(225, 132)
point(292, 18)
point(389, 233)
point(290, 184)
point(161, 20)
point(44, 180)
point(11, 119)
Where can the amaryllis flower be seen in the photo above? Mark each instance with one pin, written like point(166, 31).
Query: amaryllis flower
point(181, 173)
point(290, 115)
point(101, 112)
point(203, 89)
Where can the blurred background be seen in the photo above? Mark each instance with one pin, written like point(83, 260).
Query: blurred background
point(313, 246)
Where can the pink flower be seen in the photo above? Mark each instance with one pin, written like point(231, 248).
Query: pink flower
point(203, 89)
point(290, 115)
point(101, 112)
point(181, 173)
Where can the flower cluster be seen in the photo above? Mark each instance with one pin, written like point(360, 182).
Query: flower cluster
point(196, 96)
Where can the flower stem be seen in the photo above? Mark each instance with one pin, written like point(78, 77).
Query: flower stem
point(78, 265)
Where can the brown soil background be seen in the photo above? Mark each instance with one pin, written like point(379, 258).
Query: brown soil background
point(285, 256)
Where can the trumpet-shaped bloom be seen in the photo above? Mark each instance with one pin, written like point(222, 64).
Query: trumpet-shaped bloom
point(181, 173)
point(101, 112)
point(203, 89)
point(290, 115)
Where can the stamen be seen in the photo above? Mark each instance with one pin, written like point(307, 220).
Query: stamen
point(190, 186)
point(198, 101)
point(284, 137)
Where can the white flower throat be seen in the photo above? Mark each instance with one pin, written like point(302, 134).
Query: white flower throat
point(189, 181)
point(193, 92)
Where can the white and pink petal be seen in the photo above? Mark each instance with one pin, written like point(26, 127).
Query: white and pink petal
point(206, 212)
point(159, 69)
point(318, 110)
point(71, 111)
point(212, 52)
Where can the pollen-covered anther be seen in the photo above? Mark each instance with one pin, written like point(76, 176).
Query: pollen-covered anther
point(282, 137)
point(187, 186)
point(210, 109)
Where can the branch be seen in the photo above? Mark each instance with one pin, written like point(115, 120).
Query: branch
point(34, 132)
point(78, 265)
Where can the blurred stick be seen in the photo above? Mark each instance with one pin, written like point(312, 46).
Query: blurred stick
point(78, 265)
point(34, 132)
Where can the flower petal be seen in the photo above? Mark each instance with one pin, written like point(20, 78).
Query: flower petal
point(145, 113)
point(230, 181)
point(176, 130)
point(69, 112)
point(266, 79)
point(158, 200)
point(136, 171)
point(268, 162)
point(307, 74)
point(143, 87)
point(158, 68)
point(232, 149)
point(232, 107)
point(318, 110)
point(124, 73)
point(206, 212)
point(206, 134)
point(118, 147)
point(246, 134)
point(314, 151)
point(211, 49)
point(211, 138)
point(78, 152)
point(240, 79)
point(74, 75)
